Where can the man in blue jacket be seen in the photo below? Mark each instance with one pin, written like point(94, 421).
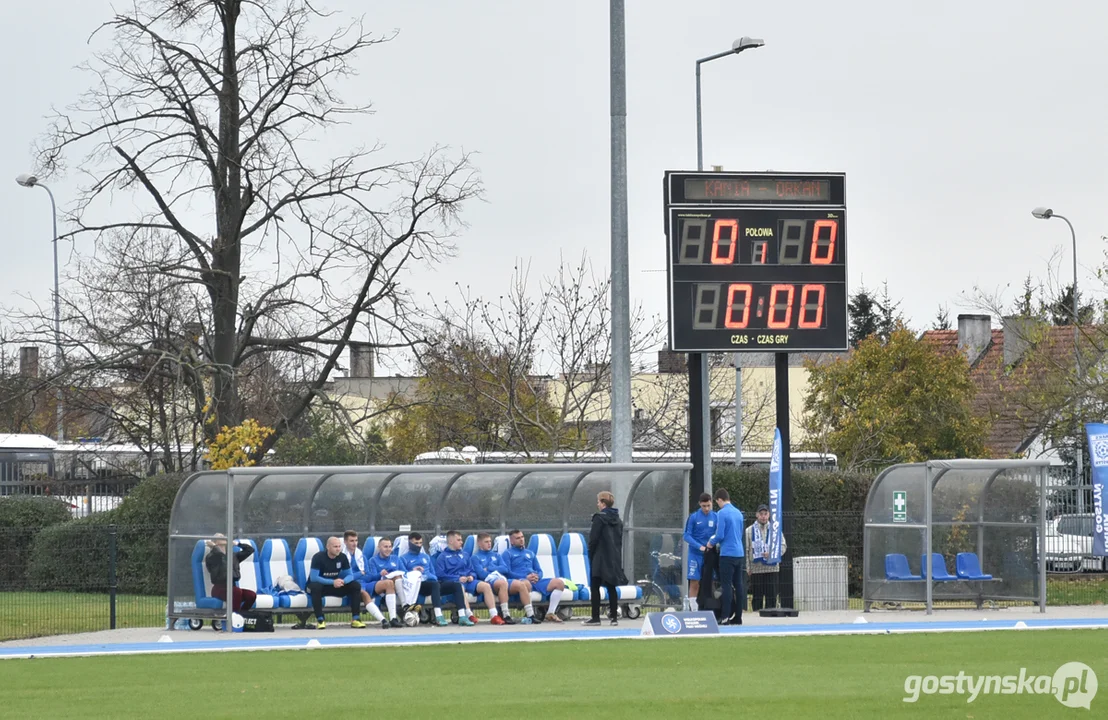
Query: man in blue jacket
point(382, 568)
point(729, 538)
point(699, 528)
point(486, 568)
point(373, 585)
point(519, 563)
point(416, 559)
point(330, 575)
point(453, 569)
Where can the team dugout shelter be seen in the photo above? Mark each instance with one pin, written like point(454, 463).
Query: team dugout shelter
point(947, 533)
point(287, 513)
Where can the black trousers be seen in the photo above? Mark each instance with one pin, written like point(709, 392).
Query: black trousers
point(732, 572)
point(434, 589)
point(452, 587)
point(594, 596)
point(352, 591)
point(763, 588)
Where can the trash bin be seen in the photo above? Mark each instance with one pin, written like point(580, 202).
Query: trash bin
point(820, 583)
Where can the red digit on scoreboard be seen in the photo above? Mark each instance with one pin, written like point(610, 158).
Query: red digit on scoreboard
point(775, 304)
point(731, 245)
point(733, 290)
point(808, 304)
point(823, 250)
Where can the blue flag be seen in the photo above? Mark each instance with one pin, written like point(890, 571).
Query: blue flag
point(1098, 453)
point(775, 501)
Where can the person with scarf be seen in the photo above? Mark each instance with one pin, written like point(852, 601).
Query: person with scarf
point(762, 571)
point(605, 557)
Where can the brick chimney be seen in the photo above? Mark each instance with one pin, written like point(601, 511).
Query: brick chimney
point(1020, 333)
point(670, 362)
point(28, 361)
point(974, 334)
point(361, 359)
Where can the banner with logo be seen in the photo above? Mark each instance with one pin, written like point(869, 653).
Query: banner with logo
point(775, 501)
point(1098, 453)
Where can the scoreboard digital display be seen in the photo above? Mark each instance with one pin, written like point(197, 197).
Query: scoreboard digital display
point(756, 262)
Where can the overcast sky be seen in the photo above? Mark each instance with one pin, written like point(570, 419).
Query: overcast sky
point(951, 122)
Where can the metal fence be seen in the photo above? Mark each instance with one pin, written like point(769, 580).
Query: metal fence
point(83, 497)
point(77, 577)
point(83, 577)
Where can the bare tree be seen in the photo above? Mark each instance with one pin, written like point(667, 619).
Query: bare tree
point(532, 367)
point(662, 401)
point(204, 111)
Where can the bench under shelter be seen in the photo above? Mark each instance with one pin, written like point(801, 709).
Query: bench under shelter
point(955, 532)
point(287, 513)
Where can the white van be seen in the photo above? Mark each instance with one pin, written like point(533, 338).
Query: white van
point(1069, 544)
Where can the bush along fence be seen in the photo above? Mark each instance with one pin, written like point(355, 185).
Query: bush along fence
point(81, 576)
point(107, 570)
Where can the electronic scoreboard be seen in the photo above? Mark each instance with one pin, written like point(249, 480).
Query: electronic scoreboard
point(756, 261)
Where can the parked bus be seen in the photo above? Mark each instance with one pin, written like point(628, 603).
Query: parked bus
point(470, 455)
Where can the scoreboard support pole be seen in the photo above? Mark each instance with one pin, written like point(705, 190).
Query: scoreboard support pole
point(781, 381)
point(699, 482)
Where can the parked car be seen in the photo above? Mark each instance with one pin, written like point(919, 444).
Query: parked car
point(1069, 544)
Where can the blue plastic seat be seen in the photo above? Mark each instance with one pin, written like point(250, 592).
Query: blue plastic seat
point(968, 567)
point(940, 571)
point(201, 581)
point(896, 568)
point(574, 555)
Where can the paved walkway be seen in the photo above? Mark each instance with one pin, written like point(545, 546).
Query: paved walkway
point(339, 634)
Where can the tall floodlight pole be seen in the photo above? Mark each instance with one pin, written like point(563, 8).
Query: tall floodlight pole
point(1044, 213)
point(620, 287)
point(32, 181)
point(700, 405)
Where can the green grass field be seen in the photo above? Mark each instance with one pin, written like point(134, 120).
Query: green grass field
point(773, 678)
point(28, 614)
point(31, 614)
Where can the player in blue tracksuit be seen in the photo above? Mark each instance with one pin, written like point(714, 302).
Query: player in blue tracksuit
point(416, 559)
point(519, 563)
point(358, 568)
point(699, 528)
point(378, 567)
point(486, 568)
point(453, 568)
point(729, 538)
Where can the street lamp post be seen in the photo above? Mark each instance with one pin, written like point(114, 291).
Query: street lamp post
point(32, 181)
point(1044, 213)
point(700, 417)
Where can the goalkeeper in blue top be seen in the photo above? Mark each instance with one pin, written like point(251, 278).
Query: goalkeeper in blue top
point(519, 563)
point(699, 528)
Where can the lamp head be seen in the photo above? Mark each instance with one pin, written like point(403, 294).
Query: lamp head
point(1043, 213)
point(746, 43)
point(27, 180)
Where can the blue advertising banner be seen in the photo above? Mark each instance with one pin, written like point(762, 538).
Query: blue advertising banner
point(674, 624)
point(1098, 453)
point(774, 539)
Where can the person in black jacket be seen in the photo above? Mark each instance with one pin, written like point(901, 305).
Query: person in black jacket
point(216, 562)
point(605, 557)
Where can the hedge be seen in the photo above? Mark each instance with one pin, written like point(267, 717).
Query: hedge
point(21, 519)
point(142, 530)
point(827, 511)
